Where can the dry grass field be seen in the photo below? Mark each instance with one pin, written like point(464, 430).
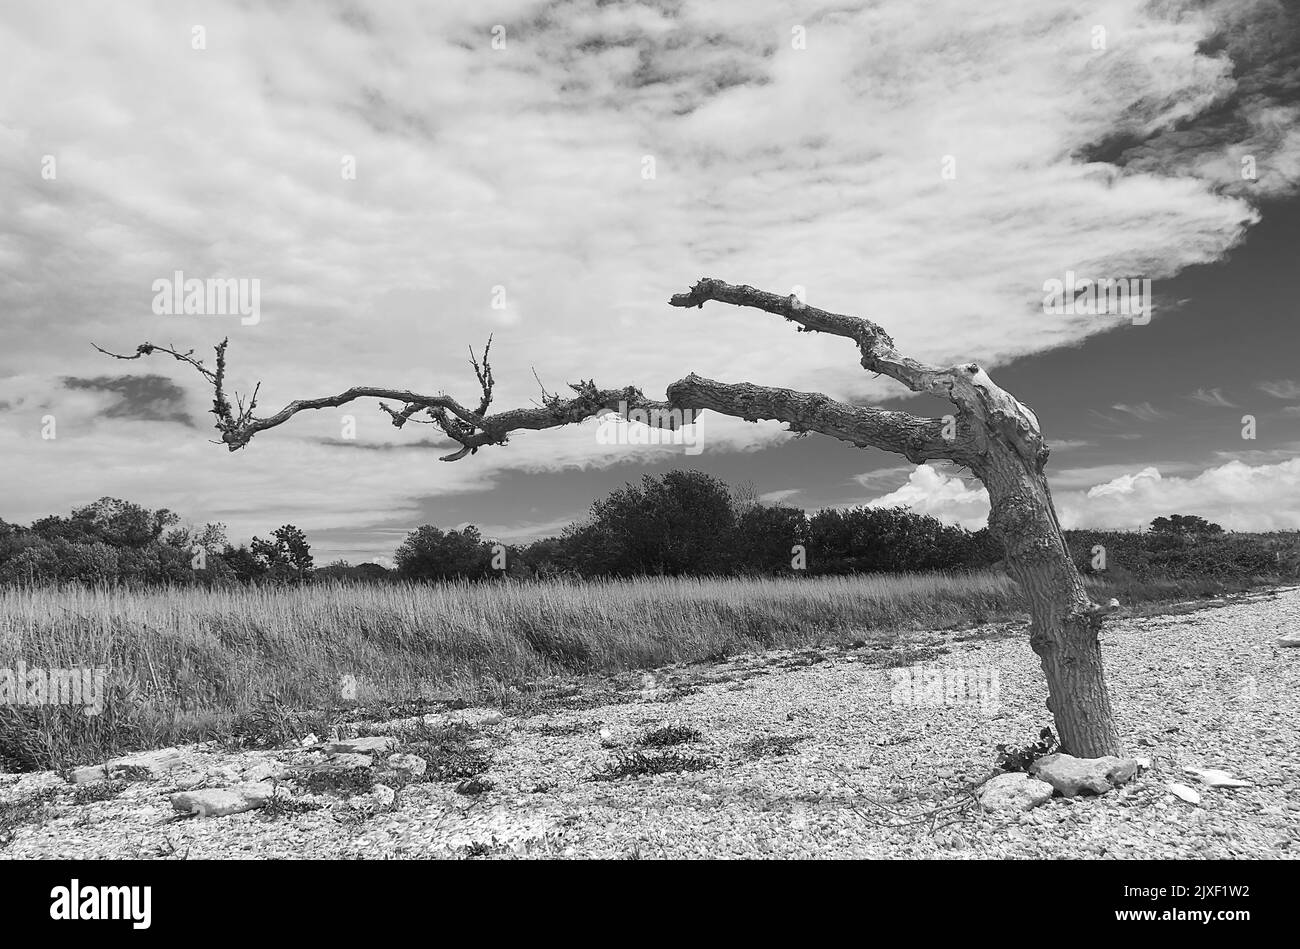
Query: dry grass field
point(187, 664)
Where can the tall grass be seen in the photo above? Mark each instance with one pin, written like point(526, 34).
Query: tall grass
point(183, 663)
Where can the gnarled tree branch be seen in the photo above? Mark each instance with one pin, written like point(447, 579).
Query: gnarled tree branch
point(983, 404)
point(918, 439)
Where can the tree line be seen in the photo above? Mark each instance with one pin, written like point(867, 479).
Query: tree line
point(682, 523)
point(687, 523)
point(116, 541)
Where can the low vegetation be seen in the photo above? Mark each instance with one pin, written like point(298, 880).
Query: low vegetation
point(23, 811)
point(636, 764)
point(768, 746)
point(263, 665)
point(451, 755)
point(342, 782)
point(1022, 757)
point(668, 735)
point(98, 791)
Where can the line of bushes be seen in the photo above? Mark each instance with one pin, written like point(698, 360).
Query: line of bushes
point(683, 523)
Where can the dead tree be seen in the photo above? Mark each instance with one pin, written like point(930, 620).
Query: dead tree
point(991, 433)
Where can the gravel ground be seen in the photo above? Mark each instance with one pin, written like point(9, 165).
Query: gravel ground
point(813, 753)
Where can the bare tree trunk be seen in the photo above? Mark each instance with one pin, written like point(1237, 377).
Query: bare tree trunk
point(1064, 622)
point(991, 433)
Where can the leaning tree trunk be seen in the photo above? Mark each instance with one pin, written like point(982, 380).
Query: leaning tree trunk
point(1065, 624)
point(991, 433)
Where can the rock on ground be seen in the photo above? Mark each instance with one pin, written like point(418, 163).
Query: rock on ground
point(376, 745)
point(1071, 775)
point(1015, 791)
point(94, 772)
point(413, 765)
point(158, 763)
point(219, 802)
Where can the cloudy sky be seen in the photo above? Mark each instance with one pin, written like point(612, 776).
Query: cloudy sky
point(403, 180)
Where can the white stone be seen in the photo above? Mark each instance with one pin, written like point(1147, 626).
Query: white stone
point(1184, 792)
point(96, 772)
point(616, 738)
point(1216, 778)
point(473, 717)
point(1014, 791)
point(1070, 775)
point(219, 802)
point(158, 763)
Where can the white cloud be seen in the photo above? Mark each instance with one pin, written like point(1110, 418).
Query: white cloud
point(1084, 477)
point(1236, 495)
point(946, 497)
point(1125, 484)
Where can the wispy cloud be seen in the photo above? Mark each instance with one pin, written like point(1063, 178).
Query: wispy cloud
point(883, 477)
point(1142, 411)
point(1281, 388)
point(523, 533)
point(1068, 444)
point(1213, 397)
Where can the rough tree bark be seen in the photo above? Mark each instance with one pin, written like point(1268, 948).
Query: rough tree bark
point(991, 433)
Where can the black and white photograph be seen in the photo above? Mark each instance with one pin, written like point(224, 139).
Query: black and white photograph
point(650, 430)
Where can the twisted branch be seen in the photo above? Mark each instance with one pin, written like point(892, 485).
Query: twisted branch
point(917, 439)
